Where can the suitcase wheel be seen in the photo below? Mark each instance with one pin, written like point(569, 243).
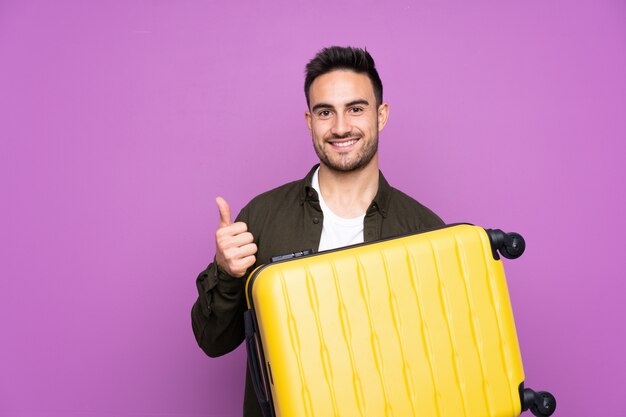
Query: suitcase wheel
point(514, 246)
point(544, 405)
point(541, 404)
point(510, 245)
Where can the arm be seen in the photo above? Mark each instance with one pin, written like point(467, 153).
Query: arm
point(217, 315)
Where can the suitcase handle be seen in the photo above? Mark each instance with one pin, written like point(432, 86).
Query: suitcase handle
point(254, 364)
point(291, 255)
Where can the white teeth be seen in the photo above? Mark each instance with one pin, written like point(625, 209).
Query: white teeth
point(344, 144)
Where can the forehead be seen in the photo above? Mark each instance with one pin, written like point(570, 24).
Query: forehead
point(341, 86)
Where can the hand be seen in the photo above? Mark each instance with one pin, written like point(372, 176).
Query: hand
point(234, 245)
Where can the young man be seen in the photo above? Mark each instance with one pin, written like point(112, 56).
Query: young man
point(342, 201)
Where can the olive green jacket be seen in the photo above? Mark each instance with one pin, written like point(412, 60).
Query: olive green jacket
point(284, 220)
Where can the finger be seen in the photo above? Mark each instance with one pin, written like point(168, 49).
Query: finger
point(247, 262)
point(226, 232)
point(224, 209)
point(240, 267)
point(237, 254)
point(247, 250)
point(236, 241)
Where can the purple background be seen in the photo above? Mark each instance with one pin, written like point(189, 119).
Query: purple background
point(120, 121)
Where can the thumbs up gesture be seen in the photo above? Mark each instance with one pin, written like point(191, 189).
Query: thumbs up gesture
point(235, 247)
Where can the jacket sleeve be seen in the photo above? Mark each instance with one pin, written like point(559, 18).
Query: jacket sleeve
point(217, 314)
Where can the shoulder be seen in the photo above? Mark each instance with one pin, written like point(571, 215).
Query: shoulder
point(291, 191)
point(284, 195)
point(406, 206)
point(270, 204)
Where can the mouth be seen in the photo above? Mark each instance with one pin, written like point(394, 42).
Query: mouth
point(343, 143)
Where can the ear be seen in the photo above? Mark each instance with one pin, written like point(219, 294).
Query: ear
point(383, 116)
point(308, 119)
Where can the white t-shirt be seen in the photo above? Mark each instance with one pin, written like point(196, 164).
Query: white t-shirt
point(337, 231)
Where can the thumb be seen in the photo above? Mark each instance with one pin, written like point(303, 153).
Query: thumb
point(224, 209)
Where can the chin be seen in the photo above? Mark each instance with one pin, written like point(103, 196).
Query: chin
point(349, 166)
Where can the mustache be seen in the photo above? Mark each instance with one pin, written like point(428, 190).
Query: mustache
point(346, 136)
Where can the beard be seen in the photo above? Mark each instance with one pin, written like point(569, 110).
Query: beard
point(345, 162)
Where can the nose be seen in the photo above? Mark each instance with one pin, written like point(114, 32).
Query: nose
point(341, 125)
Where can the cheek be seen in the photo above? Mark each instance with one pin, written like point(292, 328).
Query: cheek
point(367, 124)
point(319, 131)
point(315, 134)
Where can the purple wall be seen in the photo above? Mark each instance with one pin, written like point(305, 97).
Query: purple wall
point(120, 121)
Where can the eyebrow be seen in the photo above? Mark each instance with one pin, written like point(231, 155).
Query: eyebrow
point(355, 102)
point(329, 106)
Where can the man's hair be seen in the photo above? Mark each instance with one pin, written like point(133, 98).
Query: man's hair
point(340, 58)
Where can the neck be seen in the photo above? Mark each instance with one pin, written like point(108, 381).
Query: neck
point(349, 194)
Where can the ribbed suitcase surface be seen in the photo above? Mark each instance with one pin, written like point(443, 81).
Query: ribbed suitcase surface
point(415, 326)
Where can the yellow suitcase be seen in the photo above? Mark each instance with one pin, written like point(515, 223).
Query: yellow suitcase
point(419, 325)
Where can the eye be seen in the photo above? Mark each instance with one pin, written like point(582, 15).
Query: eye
point(324, 114)
point(356, 110)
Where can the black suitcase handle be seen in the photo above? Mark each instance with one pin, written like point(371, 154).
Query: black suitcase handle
point(254, 364)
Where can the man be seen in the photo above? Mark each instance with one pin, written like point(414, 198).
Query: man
point(345, 200)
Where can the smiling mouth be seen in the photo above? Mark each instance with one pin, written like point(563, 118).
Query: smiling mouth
point(344, 143)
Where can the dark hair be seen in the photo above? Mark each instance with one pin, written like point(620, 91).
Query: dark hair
point(338, 58)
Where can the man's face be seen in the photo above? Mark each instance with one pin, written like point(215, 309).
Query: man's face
point(344, 120)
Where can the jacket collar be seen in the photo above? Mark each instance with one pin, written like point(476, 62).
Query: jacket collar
point(380, 202)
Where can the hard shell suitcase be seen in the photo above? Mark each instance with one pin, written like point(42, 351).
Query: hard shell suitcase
point(419, 325)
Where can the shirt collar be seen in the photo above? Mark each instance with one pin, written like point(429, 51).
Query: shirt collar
point(380, 202)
